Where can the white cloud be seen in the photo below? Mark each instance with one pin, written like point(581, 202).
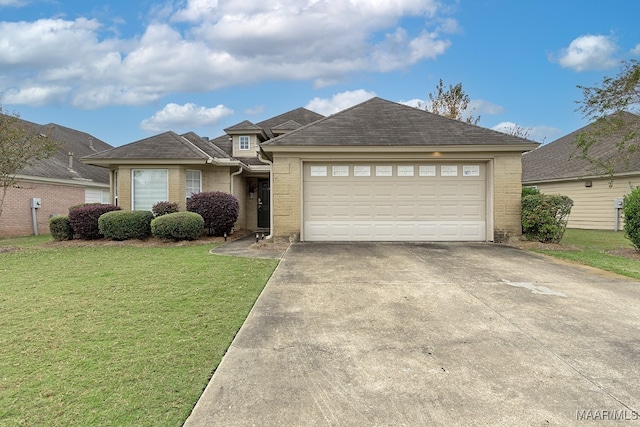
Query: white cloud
point(339, 101)
point(476, 107)
point(185, 117)
point(204, 45)
point(254, 111)
point(415, 102)
point(636, 50)
point(484, 108)
point(534, 133)
point(590, 52)
point(37, 95)
point(14, 3)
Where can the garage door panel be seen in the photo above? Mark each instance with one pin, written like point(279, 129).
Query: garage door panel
point(393, 231)
point(449, 191)
point(423, 207)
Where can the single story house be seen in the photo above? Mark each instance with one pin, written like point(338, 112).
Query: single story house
point(57, 183)
point(171, 167)
point(378, 171)
point(560, 168)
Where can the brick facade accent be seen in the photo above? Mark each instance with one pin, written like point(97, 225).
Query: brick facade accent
point(16, 218)
point(507, 192)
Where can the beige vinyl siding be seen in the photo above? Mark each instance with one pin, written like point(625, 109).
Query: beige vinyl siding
point(592, 206)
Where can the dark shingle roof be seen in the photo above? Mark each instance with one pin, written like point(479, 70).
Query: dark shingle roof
point(245, 125)
point(72, 141)
point(378, 122)
point(286, 126)
point(301, 116)
point(205, 145)
point(562, 158)
point(167, 145)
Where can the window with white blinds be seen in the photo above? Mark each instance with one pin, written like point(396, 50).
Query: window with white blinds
point(150, 186)
point(194, 182)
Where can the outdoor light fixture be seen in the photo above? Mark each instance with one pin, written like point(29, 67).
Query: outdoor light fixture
point(225, 236)
point(588, 183)
point(257, 237)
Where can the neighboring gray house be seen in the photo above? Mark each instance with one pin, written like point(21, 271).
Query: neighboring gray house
point(59, 182)
point(560, 168)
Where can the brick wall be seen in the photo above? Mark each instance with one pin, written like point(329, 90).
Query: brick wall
point(286, 194)
point(507, 190)
point(16, 219)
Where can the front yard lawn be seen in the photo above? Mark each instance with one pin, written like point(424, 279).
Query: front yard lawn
point(115, 335)
point(606, 250)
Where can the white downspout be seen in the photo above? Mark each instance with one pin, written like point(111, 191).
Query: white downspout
point(270, 163)
point(232, 176)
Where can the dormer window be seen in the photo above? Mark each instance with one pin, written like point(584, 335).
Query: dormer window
point(244, 143)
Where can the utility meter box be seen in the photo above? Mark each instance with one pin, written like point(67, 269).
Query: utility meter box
point(618, 203)
point(36, 202)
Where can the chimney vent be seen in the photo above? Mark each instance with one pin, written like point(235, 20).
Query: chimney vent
point(70, 160)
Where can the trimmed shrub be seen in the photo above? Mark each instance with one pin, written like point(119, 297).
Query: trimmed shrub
point(60, 228)
point(219, 210)
point(163, 208)
point(631, 211)
point(178, 226)
point(544, 217)
point(124, 225)
point(84, 219)
point(527, 191)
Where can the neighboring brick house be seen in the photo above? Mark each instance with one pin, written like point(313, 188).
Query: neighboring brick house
point(59, 182)
point(377, 171)
point(560, 168)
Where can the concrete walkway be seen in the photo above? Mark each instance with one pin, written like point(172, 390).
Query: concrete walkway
point(430, 334)
point(246, 247)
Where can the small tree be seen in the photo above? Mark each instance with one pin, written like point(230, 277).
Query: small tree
point(19, 148)
point(452, 103)
point(605, 106)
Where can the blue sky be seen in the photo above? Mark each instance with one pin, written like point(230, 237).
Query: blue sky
point(123, 70)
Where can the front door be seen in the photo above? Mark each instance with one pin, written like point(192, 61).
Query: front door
point(264, 203)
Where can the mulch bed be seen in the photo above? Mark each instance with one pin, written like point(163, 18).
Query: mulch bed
point(149, 242)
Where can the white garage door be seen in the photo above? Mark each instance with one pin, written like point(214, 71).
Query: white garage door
point(394, 201)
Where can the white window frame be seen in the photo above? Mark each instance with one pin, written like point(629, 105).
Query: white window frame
point(242, 140)
point(160, 196)
point(189, 190)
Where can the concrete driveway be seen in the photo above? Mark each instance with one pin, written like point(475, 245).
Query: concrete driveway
point(431, 334)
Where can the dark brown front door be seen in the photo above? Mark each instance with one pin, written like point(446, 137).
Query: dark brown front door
point(264, 202)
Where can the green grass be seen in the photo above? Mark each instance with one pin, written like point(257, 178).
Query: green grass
point(116, 335)
point(592, 247)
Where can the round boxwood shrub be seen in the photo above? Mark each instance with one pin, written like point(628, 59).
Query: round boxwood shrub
point(219, 210)
point(544, 217)
point(163, 208)
point(631, 211)
point(84, 219)
point(178, 226)
point(60, 228)
point(123, 225)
